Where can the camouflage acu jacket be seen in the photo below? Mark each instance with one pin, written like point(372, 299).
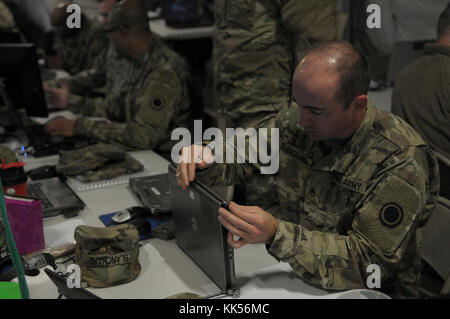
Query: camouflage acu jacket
point(257, 45)
point(108, 77)
point(80, 50)
point(143, 114)
point(362, 203)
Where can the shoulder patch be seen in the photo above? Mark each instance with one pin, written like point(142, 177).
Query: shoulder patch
point(388, 214)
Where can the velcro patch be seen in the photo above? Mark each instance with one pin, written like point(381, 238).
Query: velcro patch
point(391, 215)
point(388, 214)
point(158, 102)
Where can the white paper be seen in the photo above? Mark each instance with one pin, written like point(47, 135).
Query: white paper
point(61, 234)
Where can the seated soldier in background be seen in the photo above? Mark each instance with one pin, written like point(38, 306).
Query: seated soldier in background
point(76, 48)
point(421, 96)
point(96, 88)
point(156, 93)
point(354, 186)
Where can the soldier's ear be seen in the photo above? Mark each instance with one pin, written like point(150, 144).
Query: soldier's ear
point(359, 104)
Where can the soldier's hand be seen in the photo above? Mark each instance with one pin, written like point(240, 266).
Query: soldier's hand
point(58, 96)
point(250, 223)
point(61, 126)
point(191, 158)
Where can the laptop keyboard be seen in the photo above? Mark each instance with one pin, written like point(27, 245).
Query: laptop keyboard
point(34, 190)
point(45, 144)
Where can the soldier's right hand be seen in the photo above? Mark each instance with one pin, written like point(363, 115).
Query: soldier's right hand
point(192, 158)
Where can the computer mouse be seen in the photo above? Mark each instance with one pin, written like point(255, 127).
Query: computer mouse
point(131, 213)
point(142, 225)
point(42, 172)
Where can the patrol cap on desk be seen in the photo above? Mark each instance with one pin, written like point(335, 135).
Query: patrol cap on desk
point(107, 256)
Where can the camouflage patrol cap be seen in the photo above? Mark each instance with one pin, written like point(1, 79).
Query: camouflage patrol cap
point(97, 162)
point(186, 295)
point(107, 256)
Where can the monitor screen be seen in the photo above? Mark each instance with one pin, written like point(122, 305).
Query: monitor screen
point(22, 78)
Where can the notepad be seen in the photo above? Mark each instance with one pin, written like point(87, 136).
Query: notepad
point(80, 186)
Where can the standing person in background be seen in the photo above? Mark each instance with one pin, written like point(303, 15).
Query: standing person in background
point(257, 44)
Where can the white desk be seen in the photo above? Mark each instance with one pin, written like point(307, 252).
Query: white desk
point(160, 27)
point(166, 270)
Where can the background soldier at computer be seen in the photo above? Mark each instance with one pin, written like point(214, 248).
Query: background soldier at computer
point(97, 88)
point(156, 93)
point(76, 48)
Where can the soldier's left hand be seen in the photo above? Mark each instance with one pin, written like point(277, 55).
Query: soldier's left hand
point(61, 126)
point(250, 223)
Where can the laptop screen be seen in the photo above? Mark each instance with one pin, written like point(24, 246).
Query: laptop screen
point(198, 232)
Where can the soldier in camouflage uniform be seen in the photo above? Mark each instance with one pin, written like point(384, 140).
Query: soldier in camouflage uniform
point(354, 187)
point(257, 44)
point(156, 93)
point(98, 87)
point(76, 48)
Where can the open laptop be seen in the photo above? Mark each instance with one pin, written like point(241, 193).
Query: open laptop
point(45, 145)
point(70, 293)
point(55, 195)
point(198, 232)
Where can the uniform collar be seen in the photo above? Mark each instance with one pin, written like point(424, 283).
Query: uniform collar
point(342, 156)
point(436, 48)
point(149, 52)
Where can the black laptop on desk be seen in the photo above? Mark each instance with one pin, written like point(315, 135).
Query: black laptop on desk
point(198, 232)
point(21, 88)
point(45, 145)
point(55, 195)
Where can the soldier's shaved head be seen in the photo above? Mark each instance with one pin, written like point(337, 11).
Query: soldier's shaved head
point(129, 14)
point(340, 60)
point(330, 86)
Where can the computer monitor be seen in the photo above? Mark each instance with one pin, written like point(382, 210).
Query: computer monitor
point(10, 37)
point(22, 78)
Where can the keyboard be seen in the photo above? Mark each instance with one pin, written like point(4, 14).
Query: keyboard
point(34, 190)
point(45, 145)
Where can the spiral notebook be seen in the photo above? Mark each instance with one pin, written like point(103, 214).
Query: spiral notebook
point(79, 186)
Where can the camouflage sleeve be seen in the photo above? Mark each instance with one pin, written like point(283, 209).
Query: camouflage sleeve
point(154, 108)
point(383, 228)
point(97, 45)
point(238, 167)
point(88, 106)
point(85, 81)
point(319, 20)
